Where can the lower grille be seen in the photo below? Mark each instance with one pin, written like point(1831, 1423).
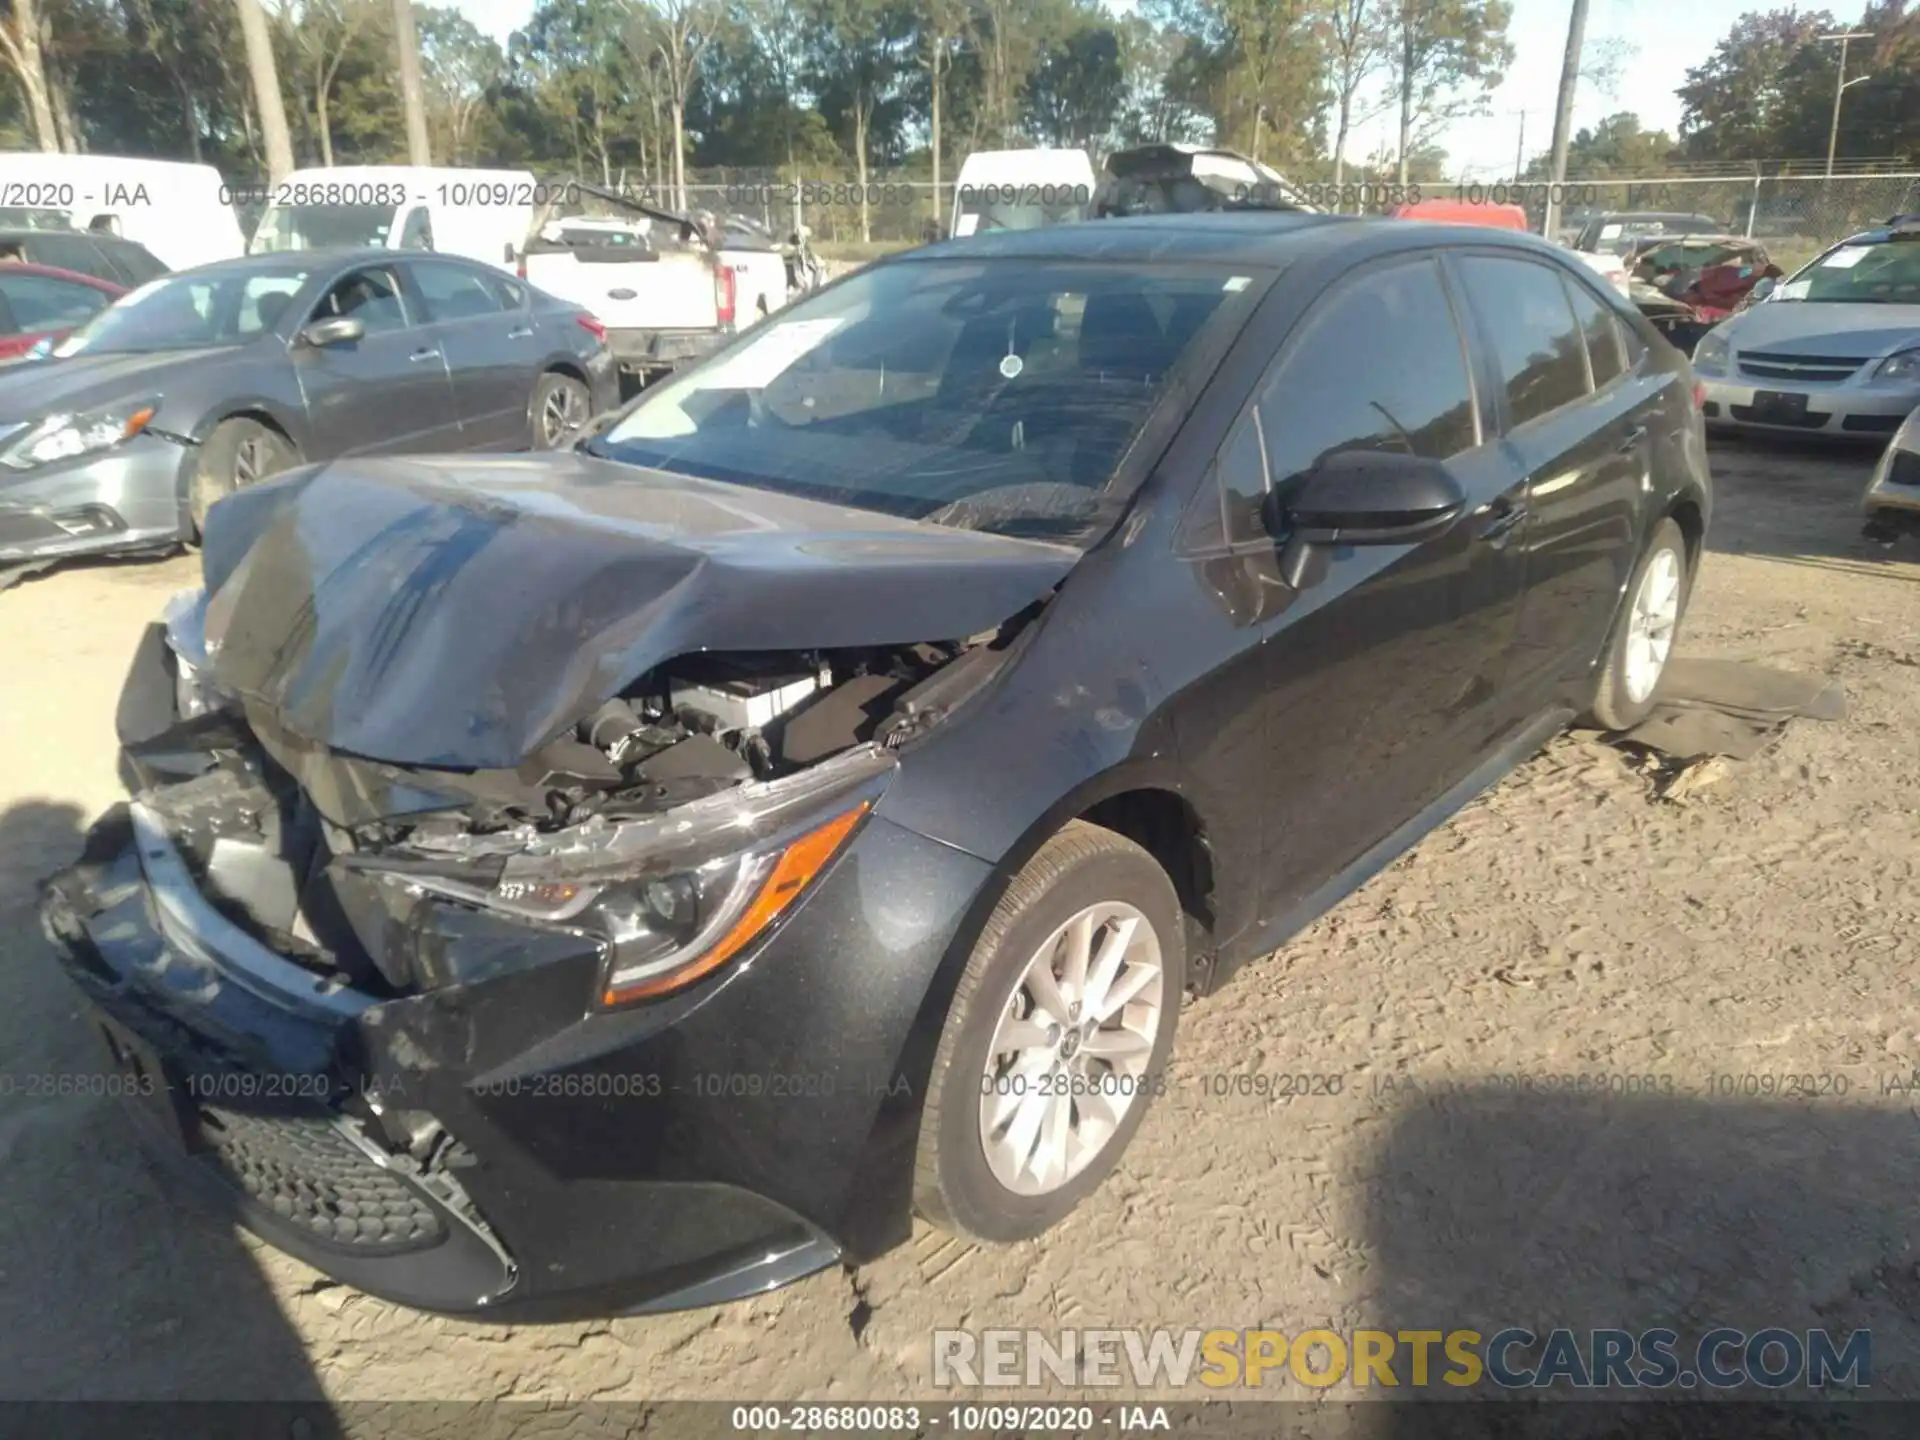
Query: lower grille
point(1873, 424)
point(1905, 469)
point(309, 1174)
point(1810, 420)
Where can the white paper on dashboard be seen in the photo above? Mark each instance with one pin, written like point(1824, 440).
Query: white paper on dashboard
point(1845, 259)
point(966, 225)
point(758, 365)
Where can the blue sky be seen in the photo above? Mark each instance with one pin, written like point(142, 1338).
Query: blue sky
point(1667, 37)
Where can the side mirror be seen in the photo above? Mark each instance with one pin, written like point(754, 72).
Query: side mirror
point(1763, 287)
point(334, 330)
point(1372, 497)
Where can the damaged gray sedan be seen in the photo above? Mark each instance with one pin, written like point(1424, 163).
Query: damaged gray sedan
point(634, 877)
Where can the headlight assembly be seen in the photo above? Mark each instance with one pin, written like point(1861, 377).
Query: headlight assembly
point(69, 434)
point(1903, 365)
point(671, 897)
point(1710, 355)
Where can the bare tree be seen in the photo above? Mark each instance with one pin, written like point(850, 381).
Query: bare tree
point(266, 90)
point(1359, 41)
point(943, 26)
point(24, 33)
point(677, 31)
point(407, 44)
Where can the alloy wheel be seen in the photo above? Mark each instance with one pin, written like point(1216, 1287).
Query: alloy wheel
point(565, 409)
point(1070, 1053)
point(1651, 624)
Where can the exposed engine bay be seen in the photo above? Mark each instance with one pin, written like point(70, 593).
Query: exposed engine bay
point(351, 867)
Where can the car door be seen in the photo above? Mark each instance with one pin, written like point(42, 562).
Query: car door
point(1376, 685)
point(388, 392)
point(492, 349)
point(1576, 425)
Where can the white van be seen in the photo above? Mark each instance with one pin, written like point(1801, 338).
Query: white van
point(482, 214)
point(1021, 190)
point(182, 213)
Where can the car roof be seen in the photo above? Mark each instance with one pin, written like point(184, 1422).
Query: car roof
point(1605, 215)
point(54, 272)
point(321, 257)
point(1253, 237)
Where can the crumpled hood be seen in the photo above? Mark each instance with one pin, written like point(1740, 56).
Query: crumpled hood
point(1802, 327)
point(460, 613)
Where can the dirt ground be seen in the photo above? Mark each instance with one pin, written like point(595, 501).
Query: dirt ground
point(1568, 924)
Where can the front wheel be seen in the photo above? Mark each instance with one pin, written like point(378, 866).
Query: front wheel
point(1057, 1039)
point(238, 453)
point(1642, 644)
point(561, 406)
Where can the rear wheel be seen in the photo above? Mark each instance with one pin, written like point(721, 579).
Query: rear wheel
point(561, 405)
point(238, 453)
point(1637, 657)
point(1057, 1039)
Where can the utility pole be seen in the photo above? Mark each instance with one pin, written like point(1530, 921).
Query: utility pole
point(1563, 116)
point(407, 41)
point(1840, 84)
point(1520, 146)
point(266, 90)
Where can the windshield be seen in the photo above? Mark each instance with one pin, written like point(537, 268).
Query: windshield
point(1019, 207)
point(14, 217)
point(199, 310)
point(1620, 234)
point(315, 227)
point(1860, 272)
point(996, 395)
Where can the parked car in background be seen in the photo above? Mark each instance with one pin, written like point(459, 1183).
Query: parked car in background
point(659, 869)
point(1614, 232)
point(1464, 212)
point(669, 287)
point(1022, 190)
point(104, 257)
point(1190, 179)
point(1712, 273)
point(180, 212)
point(206, 381)
point(483, 215)
point(1832, 350)
point(39, 304)
point(1892, 501)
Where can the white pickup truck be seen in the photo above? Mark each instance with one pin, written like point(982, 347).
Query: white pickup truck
point(669, 288)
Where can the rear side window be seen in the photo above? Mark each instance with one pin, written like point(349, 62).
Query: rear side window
point(39, 302)
point(1530, 326)
point(71, 252)
point(1378, 365)
point(453, 292)
point(1605, 351)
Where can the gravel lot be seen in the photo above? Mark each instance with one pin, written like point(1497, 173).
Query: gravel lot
point(1569, 924)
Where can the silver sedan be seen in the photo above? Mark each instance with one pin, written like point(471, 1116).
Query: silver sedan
point(1834, 349)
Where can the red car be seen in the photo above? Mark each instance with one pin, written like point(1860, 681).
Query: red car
point(38, 302)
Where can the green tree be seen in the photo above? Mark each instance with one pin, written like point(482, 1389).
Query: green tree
point(1739, 104)
point(463, 69)
point(1617, 147)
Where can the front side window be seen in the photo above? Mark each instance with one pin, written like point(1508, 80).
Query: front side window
point(370, 296)
point(995, 395)
point(1528, 322)
point(1605, 351)
point(195, 311)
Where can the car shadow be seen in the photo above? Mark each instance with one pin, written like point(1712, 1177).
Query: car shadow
point(1492, 1206)
point(1798, 501)
point(108, 1288)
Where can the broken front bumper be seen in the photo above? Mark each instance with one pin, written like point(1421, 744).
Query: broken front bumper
point(499, 1148)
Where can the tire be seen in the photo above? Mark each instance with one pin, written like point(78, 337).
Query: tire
point(239, 452)
point(561, 405)
point(1622, 698)
point(956, 1185)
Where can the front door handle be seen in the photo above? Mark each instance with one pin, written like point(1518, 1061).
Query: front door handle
point(1503, 518)
point(424, 355)
point(1632, 438)
point(520, 333)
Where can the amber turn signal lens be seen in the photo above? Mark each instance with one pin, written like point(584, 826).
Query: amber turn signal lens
point(797, 866)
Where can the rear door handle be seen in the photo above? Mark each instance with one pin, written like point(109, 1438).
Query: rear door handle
point(1632, 438)
point(424, 355)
